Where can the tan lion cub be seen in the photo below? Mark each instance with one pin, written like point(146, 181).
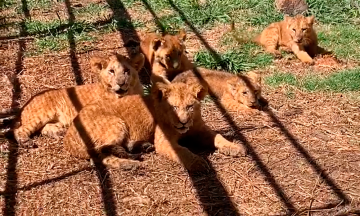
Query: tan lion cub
point(53, 110)
point(293, 34)
point(235, 92)
point(165, 55)
point(170, 113)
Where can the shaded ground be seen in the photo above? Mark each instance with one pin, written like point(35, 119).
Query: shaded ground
point(303, 156)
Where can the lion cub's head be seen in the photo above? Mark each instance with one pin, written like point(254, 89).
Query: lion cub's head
point(169, 49)
point(117, 73)
point(300, 28)
point(246, 89)
point(179, 103)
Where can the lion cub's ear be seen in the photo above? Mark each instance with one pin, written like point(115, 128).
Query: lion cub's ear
point(232, 85)
point(97, 64)
point(199, 91)
point(137, 62)
point(160, 91)
point(255, 77)
point(311, 19)
point(182, 35)
point(156, 43)
point(287, 18)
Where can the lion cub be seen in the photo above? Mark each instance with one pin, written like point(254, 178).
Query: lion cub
point(293, 34)
point(170, 113)
point(235, 92)
point(165, 55)
point(291, 7)
point(53, 110)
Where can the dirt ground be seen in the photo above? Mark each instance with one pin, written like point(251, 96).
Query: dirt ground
point(303, 154)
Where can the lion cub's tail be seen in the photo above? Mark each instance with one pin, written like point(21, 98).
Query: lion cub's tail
point(245, 38)
point(7, 119)
point(256, 39)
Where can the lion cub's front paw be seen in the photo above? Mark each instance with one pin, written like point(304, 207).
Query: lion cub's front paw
point(309, 62)
point(234, 150)
point(198, 164)
point(277, 54)
point(305, 58)
point(24, 141)
point(147, 147)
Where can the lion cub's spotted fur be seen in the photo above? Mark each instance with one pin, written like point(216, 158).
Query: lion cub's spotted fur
point(53, 110)
point(235, 92)
point(291, 7)
point(293, 34)
point(165, 55)
point(170, 113)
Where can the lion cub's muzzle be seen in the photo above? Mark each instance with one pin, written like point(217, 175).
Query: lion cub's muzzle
point(254, 104)
point(183, 125)
point(121, 88)
point(176, 64)
point(298, 39)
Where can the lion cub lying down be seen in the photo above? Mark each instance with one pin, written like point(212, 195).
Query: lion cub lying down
point(166, 55)
point(170, 113)
point(235, 92)
point(293, 34)
point(53, 110)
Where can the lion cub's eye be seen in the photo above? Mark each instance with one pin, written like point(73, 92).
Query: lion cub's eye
point(127, 70)
point(190, 107)
point(303, 29)
point(111, 71)
point(244, 93)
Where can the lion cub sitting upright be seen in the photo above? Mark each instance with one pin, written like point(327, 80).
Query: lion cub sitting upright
point(170, 113)
point(234, 92)
point(165, 55)
point(53, 110)
point(293, 34)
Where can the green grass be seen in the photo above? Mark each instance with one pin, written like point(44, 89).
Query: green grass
point(119, 4)
point(281, 78)
point(335, 11)
point(343, 81)
point(343, 39)
point(91, 10)
point(200, 16)
point(60, 42)
point(121, 23)
point(6, 4)
point(34, 4)
point(56, 38)
point(35, 27)
point(262, 12)
point(257, 13)
point(50, 43)
point(242, 59)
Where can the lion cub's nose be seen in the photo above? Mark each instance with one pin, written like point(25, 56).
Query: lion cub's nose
point(183, 121)
point(121, 82)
